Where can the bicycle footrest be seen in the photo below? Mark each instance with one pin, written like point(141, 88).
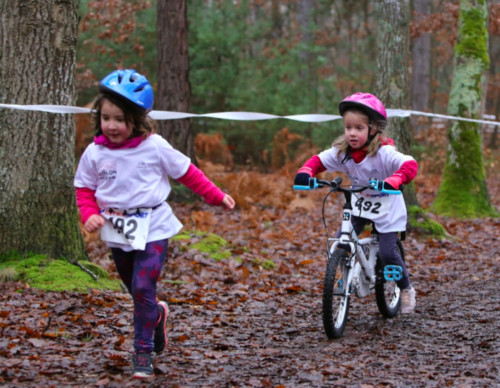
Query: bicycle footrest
point(393, 273)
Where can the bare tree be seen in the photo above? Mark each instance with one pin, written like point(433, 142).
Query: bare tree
point(305, 11)
point(421, 65)
point(174, 91)
point(392, 80)
point(37, 62)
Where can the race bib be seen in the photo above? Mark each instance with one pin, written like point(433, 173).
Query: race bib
point(371, 206)
point(126, 227)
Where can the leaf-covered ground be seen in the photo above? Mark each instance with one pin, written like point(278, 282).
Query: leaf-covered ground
point(234, 323)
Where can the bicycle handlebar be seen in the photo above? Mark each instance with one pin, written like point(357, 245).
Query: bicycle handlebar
point(335, 186)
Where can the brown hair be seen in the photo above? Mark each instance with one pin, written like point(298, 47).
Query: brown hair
point(341, 143)
point(142, 125)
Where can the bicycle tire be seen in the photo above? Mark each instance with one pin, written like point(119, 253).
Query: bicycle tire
point(387, 294)
point(335, 306)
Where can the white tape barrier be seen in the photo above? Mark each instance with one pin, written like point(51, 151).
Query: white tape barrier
point(240, 116)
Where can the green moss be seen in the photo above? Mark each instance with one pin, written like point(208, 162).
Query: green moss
point(421, 222)
point(213, 245)
point(175, 282)
point(268, 264)
point(463, 192)
point(55, 275)
point(473, 34)
point(220, 255)
point(471, 61)
point(95, 269)
point(188, 235)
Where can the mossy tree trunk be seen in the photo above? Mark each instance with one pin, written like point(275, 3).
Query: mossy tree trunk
point(37, 62)
point(392, 80)
point(463, 192)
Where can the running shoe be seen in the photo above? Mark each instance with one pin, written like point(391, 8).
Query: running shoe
point(408, 300)
point(160, 338)
point(143, 365)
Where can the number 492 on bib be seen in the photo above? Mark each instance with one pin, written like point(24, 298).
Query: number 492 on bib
point(126, 227)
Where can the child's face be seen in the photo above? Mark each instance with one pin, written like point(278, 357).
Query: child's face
point(356, 129)
point(113, 123)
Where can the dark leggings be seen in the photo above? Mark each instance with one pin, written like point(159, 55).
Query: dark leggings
point(387, 249)
point(139, 270)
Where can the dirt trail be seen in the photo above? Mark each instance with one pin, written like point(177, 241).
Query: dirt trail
point(239, 325)
point(277, 338)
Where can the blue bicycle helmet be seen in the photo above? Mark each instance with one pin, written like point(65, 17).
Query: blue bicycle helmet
point(131, 85)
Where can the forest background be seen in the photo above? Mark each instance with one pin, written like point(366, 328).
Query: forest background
point(283, 58)
point(246, 301)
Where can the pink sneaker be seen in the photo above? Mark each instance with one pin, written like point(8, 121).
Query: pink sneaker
point(160, 338)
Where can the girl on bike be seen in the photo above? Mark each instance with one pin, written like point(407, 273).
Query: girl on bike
point(365, 152)
point(121, 187)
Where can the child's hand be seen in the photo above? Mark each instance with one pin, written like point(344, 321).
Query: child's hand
point(394, 181)
point(94, 222)
point(228, 203)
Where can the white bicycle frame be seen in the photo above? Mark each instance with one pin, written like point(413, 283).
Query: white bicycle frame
point(349, 237)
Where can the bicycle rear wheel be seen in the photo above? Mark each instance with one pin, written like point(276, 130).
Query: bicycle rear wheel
point(388, 294)
point(335, 302)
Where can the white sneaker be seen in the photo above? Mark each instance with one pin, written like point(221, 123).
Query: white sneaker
point(408, 300)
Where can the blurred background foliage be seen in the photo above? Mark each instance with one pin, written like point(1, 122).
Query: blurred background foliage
point(280, 57)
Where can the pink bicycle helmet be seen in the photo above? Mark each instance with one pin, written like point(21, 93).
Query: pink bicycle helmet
point(366, 102)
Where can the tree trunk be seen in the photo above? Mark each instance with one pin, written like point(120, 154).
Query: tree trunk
point(37, 64)
point(305, 11)
point(421, 67)
point(276, 18)
point(174, 91)
point(392, 81)
point(463, 192)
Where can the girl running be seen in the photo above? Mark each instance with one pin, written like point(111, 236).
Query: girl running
point(121, 187)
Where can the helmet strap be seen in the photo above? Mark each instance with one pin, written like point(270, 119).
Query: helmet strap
point(347, 156)
point(370, 136)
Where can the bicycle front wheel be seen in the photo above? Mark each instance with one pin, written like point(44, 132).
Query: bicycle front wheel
point(335, 300)
point(388, 294)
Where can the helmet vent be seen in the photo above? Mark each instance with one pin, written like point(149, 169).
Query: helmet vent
point(130, 85)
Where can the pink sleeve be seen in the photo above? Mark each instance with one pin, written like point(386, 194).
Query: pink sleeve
point(313, 166)
point(407, 171)
point(86, 202)
point(201, 185)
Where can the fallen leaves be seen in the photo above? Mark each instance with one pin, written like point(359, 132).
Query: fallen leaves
point(235, 323)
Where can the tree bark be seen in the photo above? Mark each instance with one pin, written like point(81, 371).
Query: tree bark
point(421, 67)
point(174, 91)
point(37, 63)
point(305, 13)
point(463, 192)
point(392, 80)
